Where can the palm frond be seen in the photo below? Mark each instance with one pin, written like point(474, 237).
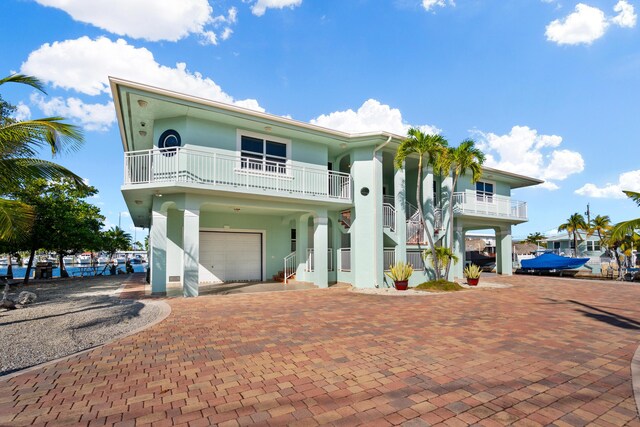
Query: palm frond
point(24, 79)
point(15, 218)
point(633, 196)
point(623, 229)
point(16, 171)
point(23, 138)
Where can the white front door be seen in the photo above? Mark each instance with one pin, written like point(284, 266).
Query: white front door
point(230, 256)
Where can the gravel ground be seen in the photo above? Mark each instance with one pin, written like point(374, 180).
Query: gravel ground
point(69, 316)
point(412, 292)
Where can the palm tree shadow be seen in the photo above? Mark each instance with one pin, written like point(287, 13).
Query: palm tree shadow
point(600, 315)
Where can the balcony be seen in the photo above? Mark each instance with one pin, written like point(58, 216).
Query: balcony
point(232, 173)
point(489, 205)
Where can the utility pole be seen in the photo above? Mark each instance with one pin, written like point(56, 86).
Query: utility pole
point(588, 213)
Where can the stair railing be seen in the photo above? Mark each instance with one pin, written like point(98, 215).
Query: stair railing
point(290, 266)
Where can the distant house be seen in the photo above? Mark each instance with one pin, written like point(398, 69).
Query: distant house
point(230, 194)
point(588, 246)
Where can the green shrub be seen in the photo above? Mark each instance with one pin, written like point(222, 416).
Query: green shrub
point(440, 285)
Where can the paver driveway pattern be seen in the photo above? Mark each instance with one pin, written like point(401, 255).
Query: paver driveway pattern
point(549, 351)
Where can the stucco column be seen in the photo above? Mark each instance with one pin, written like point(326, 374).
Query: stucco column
point(320, 249)
point(456, 270)
point(400, 197)
point(158, 241)
point(366, 231)
point(191, 252)
point(302, 244)
point(447, 189)
point(504, 251)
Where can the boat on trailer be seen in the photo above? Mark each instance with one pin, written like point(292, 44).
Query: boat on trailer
point(552, 264)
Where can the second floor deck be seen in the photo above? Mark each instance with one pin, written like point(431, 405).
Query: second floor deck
point(478, 203)
point(185, 166)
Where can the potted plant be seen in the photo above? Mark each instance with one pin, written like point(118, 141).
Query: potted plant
point(400, 274)
point(472, 273)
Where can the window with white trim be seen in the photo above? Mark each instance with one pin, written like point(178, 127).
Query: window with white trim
point(593, 245)
point(484, 191)
point(258, 154)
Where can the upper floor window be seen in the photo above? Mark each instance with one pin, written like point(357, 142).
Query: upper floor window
point(261, 154)
point(593, 245)
point(484, 191)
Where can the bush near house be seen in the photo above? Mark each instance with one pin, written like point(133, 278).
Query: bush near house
point(440, 285)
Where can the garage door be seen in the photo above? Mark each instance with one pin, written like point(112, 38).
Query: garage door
point(229, 256)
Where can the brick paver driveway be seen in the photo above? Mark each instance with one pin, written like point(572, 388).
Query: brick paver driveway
point(549, 351)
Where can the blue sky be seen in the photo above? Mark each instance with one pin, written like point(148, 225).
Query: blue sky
point(547, 88)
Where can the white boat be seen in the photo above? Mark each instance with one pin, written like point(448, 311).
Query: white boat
point(84, 259)
point(68, 260)
point(102, 259)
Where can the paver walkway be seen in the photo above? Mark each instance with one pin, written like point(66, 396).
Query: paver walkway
point(550, 351)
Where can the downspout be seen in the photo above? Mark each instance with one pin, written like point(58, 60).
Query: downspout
point(375, 212)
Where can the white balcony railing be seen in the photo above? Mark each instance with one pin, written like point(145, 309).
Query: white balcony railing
point(479, 203)
point(344, 259)
point(388, 216)
point(389, 256)
point(231, 172)
point(311, 264)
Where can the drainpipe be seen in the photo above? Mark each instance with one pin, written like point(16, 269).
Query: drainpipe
point(378, 148)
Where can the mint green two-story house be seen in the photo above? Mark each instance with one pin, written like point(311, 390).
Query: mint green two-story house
point(230, 194)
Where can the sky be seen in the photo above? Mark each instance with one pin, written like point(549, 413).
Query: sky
point(547, 88)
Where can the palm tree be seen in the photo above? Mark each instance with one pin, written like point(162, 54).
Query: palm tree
point(20, 142)
point(574, 224)
point(464, 158)
point(536, 238)
point(114, 240)
point(601, 224)
point(444, 256)
point(630, 227)
point(426, 147)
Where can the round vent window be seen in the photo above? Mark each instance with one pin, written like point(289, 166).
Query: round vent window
point(169, 141)
point(364, 191)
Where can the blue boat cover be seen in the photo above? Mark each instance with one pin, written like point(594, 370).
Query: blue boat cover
point(551, 261)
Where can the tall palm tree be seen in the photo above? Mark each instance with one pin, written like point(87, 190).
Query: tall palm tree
point(600, 225)
point(114, 240)
point(457, 161)
point(428, 148)
point(630, 227)
point(20, 142)
point(574, 224)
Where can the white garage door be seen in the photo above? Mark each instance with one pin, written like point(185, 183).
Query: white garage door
point(228, 256)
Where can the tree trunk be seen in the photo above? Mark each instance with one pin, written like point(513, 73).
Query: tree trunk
point(9, 266)
point(27, 274)
point(63, 269)
point(453, 186)
point(423, 223)
point(575, 244)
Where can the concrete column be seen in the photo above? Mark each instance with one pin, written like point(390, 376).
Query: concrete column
point(504, 251)
point(400, 197)
point(457, 270)
point(447, 184)
point(191, 252)
point(320, 249)
point(366, 231)
point(302, 243)
point(158, 241)
point(174, 261)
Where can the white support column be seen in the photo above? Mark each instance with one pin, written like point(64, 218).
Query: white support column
point(302, 243)
point(158, 241)
point(504, 251)
point(320, 249)
point(400, 198)
point(457, 270)
point(191, 252)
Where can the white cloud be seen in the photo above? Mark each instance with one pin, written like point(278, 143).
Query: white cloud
point(372, 116)
point(151, 20)
point(91, 116)
point(23, 112)
point(524, 151)
point(430, 4)
point(626, 17)
point(587, 23)
point(261, 6)
point(629, 181)
point(84, 64)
